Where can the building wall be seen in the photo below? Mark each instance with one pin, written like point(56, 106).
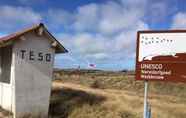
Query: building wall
point(33, 75)
point(5, 96)
point(6, 88)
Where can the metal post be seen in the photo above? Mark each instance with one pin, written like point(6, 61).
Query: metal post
point(145, 100)
point(148, 111)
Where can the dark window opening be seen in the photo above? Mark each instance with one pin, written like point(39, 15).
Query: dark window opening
point(5, 64)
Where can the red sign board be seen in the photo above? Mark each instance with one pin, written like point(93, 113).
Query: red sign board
point(161, 55)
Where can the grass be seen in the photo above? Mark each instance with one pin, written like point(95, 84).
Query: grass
point(122, 96)
point(84, 102)
point(66, 100)
point(103, 94)
point(120, 81)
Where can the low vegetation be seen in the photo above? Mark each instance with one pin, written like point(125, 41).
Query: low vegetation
point(104, 94)
point(118, 81)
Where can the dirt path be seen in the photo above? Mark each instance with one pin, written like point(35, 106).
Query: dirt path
point(162, 106)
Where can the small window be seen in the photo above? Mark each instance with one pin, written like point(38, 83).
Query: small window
point(5, 63)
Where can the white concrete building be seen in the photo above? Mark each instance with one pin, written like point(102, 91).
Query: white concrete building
point(26, 66)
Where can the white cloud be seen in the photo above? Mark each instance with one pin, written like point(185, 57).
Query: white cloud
point(179, 21)
point(105, 31)
point(116, 18)
point(100, 47)
point(85, 43)
point(107, 18)
point(87, 17)
point(98, 56)
point(127, 38)
point(158, 12)
point(90, 44)
point(58, 18)
point(12, 17)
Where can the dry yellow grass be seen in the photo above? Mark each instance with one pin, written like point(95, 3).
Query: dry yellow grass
point(123, 104)
point(113, 95)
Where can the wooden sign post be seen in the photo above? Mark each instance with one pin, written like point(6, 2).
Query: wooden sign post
point(160, 56)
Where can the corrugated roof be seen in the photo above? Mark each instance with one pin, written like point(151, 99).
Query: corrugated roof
point(16, 35)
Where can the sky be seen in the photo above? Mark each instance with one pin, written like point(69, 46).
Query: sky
point(100, 32)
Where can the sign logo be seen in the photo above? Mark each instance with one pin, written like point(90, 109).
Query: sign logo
point(161, 55)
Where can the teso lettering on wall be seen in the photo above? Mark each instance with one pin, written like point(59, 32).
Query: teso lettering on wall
point(35, 56)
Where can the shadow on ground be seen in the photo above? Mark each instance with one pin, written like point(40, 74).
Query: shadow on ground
point(65, 100)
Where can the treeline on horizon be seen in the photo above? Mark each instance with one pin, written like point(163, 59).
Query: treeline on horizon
point(73, 70)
